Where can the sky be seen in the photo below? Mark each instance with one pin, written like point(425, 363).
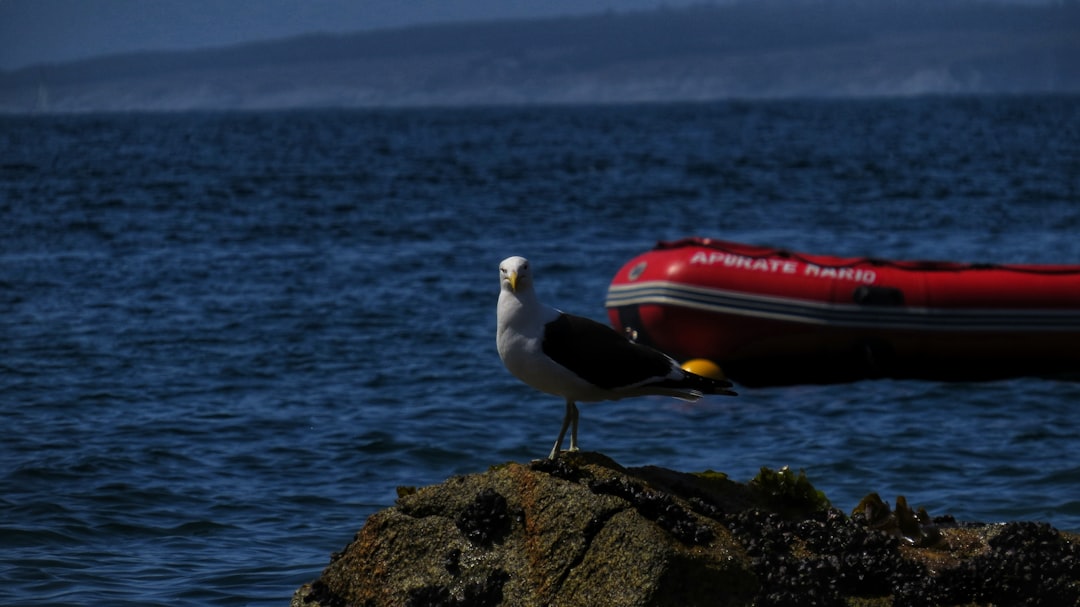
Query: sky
point(49, 31)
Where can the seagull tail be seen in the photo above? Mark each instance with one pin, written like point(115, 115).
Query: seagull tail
point(689, 387)
point(703, 385)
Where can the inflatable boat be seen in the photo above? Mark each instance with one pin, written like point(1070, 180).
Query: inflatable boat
point(770, 316)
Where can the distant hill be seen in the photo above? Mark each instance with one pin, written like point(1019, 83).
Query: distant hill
point(762, 49)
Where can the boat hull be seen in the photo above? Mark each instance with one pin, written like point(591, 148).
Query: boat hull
point(771, 316)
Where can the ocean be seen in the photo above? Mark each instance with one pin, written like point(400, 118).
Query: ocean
point(228, 337)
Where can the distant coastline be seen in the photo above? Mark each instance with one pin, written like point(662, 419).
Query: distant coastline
point(746, 50)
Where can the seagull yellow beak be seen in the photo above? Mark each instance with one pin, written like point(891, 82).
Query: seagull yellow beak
point(512, 277)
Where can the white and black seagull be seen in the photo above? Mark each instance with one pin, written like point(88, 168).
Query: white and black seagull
point(580, 359)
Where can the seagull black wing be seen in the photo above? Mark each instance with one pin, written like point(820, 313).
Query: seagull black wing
point(598, 354)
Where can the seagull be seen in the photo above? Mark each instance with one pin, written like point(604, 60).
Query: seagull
point(578, 358)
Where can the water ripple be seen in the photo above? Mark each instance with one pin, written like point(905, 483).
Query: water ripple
point(225, 351)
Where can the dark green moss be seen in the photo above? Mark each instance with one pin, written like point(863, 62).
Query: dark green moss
point(789, 494)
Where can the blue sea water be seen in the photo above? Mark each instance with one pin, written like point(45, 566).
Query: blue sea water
point(225, 339)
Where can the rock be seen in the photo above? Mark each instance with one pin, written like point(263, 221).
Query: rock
point(582, 530)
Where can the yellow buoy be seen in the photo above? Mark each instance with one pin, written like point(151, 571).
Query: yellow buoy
point(704, 368)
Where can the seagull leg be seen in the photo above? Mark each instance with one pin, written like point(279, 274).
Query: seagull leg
point(571, 414)
point(573, 427)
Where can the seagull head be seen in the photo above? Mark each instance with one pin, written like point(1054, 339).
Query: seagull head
point(514, 274)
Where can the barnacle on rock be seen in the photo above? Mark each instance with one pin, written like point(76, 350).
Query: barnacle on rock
point(559, 467)
point(658, 507)
point(486, 520)
point(821, 559)
point(452, 562)
point(487, 593)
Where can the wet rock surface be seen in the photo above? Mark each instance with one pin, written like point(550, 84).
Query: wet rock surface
point(582, 530)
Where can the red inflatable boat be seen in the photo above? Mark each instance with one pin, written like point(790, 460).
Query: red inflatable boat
point(770, 316)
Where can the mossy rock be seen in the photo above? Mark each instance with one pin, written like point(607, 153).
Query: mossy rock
point(583, 530)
